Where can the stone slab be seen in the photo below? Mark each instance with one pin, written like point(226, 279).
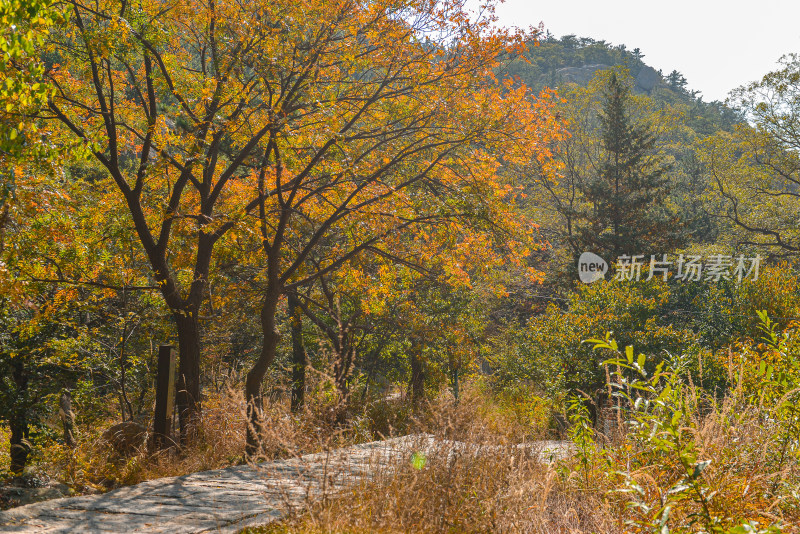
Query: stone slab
point(227, 500)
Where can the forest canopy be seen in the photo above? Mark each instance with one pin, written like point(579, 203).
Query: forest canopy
point(329, 206)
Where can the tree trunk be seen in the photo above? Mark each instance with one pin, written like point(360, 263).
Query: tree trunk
point(342, 371)
point(417, 382)
point(18, 423)
point(18, 445)
point(187, 397)
point(255, 377)
point(299, 360)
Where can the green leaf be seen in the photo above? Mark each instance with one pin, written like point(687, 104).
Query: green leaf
point(418, 460)
point(698, 469)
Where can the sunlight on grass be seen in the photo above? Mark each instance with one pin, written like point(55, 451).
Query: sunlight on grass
point(5, 459)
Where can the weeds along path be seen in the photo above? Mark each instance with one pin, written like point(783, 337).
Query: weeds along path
point(228, 500)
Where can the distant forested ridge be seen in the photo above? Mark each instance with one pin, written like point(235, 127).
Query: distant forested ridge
point(553, 63)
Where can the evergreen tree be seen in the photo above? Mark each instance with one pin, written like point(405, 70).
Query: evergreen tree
point(630, 183)
point(677, 81)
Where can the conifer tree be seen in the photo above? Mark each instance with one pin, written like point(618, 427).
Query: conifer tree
point(630, 183)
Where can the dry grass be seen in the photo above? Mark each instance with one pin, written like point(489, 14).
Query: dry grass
point(476, 479)
point(94, 466)
point(506, 490)
point(490, 485)
point(219, 441)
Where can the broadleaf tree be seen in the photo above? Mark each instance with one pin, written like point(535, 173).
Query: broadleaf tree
point(168, 100)
point(754, 171)
point(393, 122)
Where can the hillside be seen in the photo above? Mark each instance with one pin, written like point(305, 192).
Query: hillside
point(556, 62)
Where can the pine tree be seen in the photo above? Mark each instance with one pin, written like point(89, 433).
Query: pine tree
point(677, 81)
point(630, 183)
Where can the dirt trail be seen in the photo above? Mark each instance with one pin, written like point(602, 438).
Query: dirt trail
point(223, 500)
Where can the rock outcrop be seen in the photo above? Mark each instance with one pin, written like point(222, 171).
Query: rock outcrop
point(647, 79)
point(580, 75)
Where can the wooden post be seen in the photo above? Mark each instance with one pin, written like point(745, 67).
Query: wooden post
point(165, 398)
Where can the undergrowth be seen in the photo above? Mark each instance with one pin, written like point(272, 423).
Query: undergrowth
point(682, 460)
point(676, 458)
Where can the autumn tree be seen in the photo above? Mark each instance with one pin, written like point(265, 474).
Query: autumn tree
point(36, 327)
point(374, 306)
point(755, 171)
point(393, 121)
point(41, 331)
point(71, 314)
point(170, 100)
point(310, 117)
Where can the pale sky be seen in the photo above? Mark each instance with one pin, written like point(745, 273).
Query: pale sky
point(716, 45)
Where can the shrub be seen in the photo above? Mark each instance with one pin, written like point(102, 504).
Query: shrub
point(550, 353)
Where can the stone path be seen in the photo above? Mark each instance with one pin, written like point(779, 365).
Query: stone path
point(223, 500)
